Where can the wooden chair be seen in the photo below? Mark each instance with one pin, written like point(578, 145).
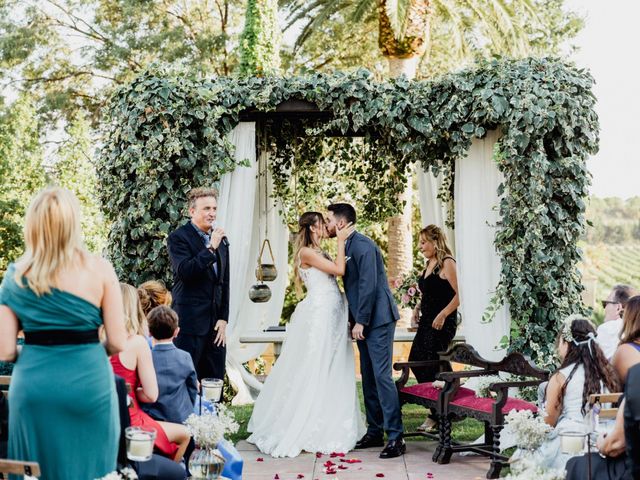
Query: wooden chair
point(600, 398)
point(454, 401)
point(5, 380)
point(15, 467)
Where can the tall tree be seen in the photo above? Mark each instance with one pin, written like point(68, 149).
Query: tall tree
point(67, 53)
point(260, 41)
point(21, 171)
point(76, 171)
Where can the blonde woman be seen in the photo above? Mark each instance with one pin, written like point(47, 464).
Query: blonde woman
point(64, 410)
point(309, 400)
point(135, 365)
point(437, 313)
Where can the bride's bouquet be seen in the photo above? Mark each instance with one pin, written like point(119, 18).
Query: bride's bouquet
point(406, 292)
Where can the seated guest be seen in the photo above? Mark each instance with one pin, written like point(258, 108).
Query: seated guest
point(628, 353)
point(177, 381)
point(152, 294)
point(159, 467)
point(609, 463)
point(584, 370)
point(632, 421)
point(609, 332)
point(135, 365)
point(612, 463)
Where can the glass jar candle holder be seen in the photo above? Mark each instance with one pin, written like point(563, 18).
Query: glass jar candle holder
point(140, 442)
point(212, 389)
point(572, 443)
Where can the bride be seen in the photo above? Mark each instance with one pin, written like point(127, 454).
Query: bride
point(309, 400)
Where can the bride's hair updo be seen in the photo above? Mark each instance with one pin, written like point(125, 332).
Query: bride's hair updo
point(304, 239)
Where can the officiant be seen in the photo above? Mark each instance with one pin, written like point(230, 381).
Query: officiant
point(199, 253)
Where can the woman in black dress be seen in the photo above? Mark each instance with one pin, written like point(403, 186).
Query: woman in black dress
point(437, 313)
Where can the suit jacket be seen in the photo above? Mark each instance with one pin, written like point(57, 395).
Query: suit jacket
point(365, 282)
point(200, 296)
point(177, 384)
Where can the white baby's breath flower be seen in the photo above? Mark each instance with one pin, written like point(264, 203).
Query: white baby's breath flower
point(126, 473)
point(209, 429)
point(111, 476)
point(530, 431)
point(483, 383)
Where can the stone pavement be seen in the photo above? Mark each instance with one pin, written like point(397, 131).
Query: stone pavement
point(415, 465)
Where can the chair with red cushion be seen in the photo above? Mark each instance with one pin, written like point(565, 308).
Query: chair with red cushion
point(456, 402)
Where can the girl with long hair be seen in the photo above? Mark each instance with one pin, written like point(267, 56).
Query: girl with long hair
point(135, 365)
point(64, 409)
point(309, 400)
point(584, 370)
point(437, 312)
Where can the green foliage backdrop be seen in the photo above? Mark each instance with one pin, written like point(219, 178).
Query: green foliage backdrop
point(166, 134)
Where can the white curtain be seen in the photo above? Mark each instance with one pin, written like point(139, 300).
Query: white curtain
point(476, 214)
point(432, 209)
point(245, 216)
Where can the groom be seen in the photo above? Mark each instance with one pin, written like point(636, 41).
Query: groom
point(373, 313)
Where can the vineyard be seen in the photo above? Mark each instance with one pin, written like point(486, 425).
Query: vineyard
point(605, 266)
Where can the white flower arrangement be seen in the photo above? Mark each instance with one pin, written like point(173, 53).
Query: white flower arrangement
point(530, 431)
point(527, 468)
point(126, 473)
point(209, 429)
point(483, 383)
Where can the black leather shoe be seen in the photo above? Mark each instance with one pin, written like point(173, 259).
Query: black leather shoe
point(394, 449)
point(369, 441)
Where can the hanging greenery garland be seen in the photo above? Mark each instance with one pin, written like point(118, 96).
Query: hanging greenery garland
point(166, 134)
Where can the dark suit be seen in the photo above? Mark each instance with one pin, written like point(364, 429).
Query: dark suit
point(177, 384)
point(371, 304)
point(200, 297)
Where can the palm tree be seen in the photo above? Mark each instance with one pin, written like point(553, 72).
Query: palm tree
point(404, 30)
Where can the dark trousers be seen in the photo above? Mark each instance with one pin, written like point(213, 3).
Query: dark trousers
point(426, 345)
point(159, 468)
point(601, 468)
point(208, 358)
point(380, 394)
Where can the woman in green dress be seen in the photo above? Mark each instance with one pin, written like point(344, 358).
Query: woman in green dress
point(62, 401)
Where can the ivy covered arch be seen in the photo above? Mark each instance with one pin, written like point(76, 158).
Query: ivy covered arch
point(166, 133)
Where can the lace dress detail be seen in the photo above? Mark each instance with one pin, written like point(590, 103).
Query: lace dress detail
point(309, 400)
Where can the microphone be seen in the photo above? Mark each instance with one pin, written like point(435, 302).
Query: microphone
point(224, 240)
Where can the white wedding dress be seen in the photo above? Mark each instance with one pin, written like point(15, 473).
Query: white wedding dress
point(309, 400)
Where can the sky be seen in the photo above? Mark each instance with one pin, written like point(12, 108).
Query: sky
point(608, 47)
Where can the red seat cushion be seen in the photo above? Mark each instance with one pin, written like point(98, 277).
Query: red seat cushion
point(426, 390)
point(486, 404)
point(466, 397)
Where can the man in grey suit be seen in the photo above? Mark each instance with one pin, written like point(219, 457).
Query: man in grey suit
point(372, 315)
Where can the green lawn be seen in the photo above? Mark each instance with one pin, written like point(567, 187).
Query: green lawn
point(412, 416)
